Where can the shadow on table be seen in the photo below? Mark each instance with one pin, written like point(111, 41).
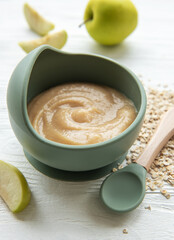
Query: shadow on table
point(117, 52)
point(105, 217)
point(30, 212)
point(73, 200)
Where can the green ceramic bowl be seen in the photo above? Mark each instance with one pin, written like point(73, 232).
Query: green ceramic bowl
point(46, 67)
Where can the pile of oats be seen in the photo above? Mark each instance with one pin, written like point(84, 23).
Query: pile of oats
point(162, 169)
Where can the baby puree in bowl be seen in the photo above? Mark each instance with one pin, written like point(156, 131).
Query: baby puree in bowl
point(81, 113)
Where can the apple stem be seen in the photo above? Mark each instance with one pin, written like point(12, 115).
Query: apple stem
point(87, 20)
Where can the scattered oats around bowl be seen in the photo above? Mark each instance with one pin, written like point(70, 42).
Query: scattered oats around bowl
point(165, 193)
point(114, 169)
point(125, 231)
point(161, 172)
point(148, 207)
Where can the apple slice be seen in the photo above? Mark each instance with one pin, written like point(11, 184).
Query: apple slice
point(36, 22)
point(14, 189)
point(56, 40)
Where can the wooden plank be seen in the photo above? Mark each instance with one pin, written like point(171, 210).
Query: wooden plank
point(68, 210)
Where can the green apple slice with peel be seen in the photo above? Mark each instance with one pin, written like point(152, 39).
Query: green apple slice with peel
point(14, 189)
point(56, 40)
point(36, 22)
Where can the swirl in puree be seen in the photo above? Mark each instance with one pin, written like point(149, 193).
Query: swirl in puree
point(80, 113)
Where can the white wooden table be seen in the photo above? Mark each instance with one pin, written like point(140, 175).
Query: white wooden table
point(68, 210)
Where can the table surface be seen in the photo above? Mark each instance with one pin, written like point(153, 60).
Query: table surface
point(69, 210)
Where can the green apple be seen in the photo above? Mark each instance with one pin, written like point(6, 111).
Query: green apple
point(109, 22)
point(14, 189)
point(56, 40)
point(36, 22)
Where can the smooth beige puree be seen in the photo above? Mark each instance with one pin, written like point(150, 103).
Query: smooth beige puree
point(80, 113)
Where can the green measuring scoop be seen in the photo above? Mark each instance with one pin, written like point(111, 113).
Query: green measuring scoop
point(125, 189)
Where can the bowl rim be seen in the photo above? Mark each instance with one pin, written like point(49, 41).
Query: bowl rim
point(137, 120)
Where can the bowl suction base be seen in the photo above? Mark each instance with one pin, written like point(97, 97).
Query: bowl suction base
point(70, 175)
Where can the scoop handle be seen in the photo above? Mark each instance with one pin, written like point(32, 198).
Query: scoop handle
point(163, 133)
